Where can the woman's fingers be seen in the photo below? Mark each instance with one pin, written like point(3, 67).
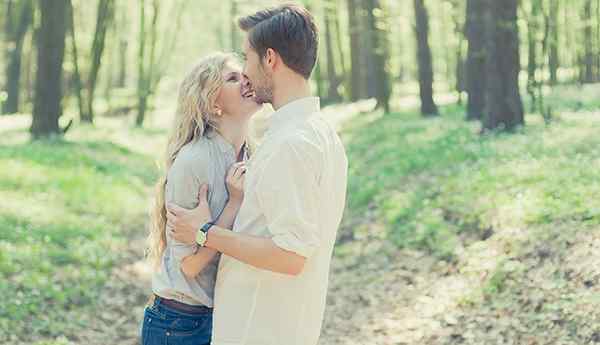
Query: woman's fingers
point(239, 172)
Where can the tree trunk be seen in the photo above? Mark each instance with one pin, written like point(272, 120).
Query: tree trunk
point(51, 47)
point(142, 84)
point(588, 58)
point(459, 63)
point(355, 68)
point(428, 107)
point(152, 64)
point(123, 47)
point(235, 36)
point(332, 78)
point(76, 73)
point(145, 81)
point(378, 38)
point(504, 108)
point(367, 52)
point(533, 27)
point(15, 34)
point(553, 62)
point(103, 18)
point(340, 49)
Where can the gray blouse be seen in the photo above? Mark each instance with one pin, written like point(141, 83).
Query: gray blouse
point(205, 160)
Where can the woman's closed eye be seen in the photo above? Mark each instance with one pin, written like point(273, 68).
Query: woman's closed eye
point(233, 78)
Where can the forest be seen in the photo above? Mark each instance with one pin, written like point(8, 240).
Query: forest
point(471, 128)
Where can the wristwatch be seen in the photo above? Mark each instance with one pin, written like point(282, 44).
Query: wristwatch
point(201, 234)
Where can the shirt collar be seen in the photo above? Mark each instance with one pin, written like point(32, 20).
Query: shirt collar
point(225, 146)
point(294, 111)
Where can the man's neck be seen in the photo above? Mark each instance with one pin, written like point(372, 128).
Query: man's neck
point(291, 90)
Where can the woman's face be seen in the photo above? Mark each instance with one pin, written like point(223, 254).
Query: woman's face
point(236, 99)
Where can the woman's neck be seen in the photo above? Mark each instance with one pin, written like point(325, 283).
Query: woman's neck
point(234, 133)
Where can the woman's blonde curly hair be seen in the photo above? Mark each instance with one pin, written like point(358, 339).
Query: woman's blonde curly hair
point(194, 118)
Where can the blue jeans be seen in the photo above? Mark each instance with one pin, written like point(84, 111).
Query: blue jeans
point(166, 326)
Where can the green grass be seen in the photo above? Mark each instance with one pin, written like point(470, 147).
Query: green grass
point(433, 182)
point(69, 207)
point(67, 210)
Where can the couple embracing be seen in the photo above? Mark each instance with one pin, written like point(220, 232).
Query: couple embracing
point(242, 236)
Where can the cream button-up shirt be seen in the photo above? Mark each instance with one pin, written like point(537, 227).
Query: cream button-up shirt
point(295, 192)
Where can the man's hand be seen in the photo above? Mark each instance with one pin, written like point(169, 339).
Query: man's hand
point(184, 223)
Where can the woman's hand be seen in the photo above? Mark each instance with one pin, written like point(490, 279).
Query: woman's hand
point(235, 181)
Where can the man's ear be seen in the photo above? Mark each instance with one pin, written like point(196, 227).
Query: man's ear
point(271, 58)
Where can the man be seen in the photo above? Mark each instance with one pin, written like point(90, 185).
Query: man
point(272, 279)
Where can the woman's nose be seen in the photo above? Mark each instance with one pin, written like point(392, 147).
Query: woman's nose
point(245, 81)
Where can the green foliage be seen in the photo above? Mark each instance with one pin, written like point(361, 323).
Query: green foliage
point(433, 181)
point(67, 211)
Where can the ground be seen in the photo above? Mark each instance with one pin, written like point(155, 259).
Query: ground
point(449, 237)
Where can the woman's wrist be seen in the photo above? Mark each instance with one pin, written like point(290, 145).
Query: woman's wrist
point(235, 201)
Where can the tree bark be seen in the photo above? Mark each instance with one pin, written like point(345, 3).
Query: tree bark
point(533, 27)
point(504, 107)
point(75, 55)
point(340, 49)
point(476, 79)
point(428, 106)
point(332, 78)
point(588, 58)
point(103, 18)
point(15, 34)
point(48, 89)
point(355, 63)
point(234, 31)
point(378, 38)
point(553, 60)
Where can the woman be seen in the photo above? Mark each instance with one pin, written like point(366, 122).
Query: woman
point(208, 142)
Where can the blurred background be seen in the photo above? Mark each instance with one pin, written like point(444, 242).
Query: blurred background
point(472, 131)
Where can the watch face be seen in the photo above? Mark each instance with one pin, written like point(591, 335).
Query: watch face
point(201, 238)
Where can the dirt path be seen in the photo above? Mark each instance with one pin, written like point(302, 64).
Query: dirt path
point(388, 296)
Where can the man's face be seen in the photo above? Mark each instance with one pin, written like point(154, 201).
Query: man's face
point(260, 79)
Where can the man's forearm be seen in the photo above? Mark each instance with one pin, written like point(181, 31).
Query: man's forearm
point(260, 252)
point(192, 265)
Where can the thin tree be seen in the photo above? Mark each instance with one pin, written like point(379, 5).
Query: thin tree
point(17, 22)
point(233, 29)
point(48, 86)
point(354, 28)
point(476, 53)
point(332, 77)
point(428, 106)
point(553, 59)
point(533, 29)
point(152, 57)
point(504, 107)
point(340, 48)
point(377, 36)
point(103, 18)
point(588, 58)
point(75, 56)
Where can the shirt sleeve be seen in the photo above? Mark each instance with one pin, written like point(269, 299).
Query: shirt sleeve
point(287, 195)
point(183, 183)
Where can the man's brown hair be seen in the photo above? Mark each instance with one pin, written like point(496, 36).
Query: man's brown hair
point(288, 29)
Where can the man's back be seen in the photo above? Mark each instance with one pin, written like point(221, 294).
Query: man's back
point(295, 194)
